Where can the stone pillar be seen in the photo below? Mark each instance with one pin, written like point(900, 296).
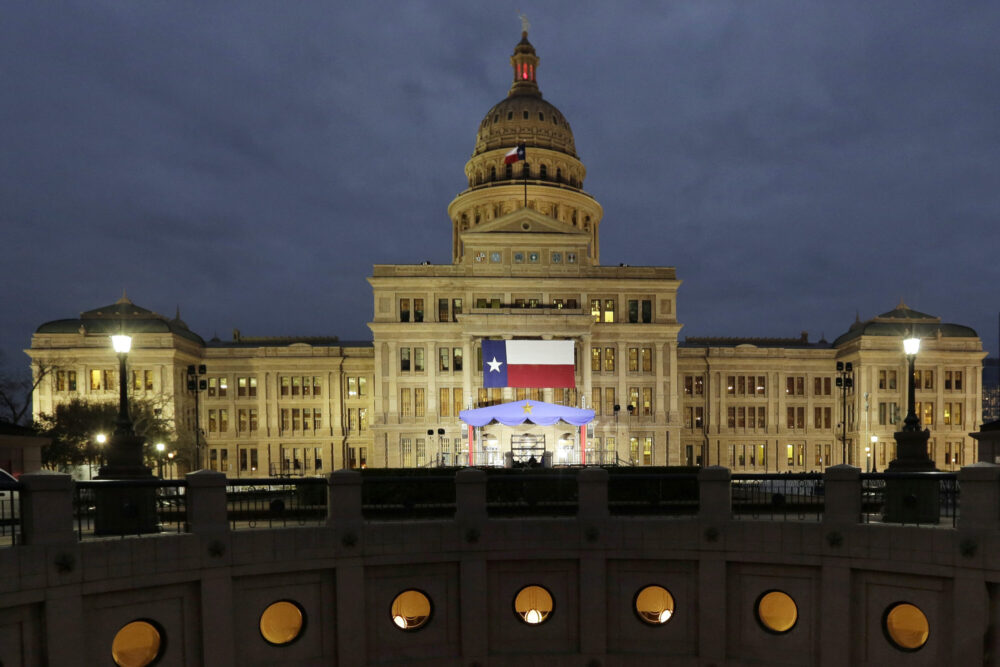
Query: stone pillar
point(988, 438)
point(47, 508)
point(842, 495)
point(343, 508)
point(715, 494)
point(470, 497)
point(980, 485)
point(592, 494)
point(206, 502)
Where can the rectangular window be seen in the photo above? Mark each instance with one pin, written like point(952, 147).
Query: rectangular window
point(609, 399)
point(595, 309)
point(688, 385)
point(405, 403)
point(956, 414)
point(609, 359)
point(213, 421)
point(882, 380)
point(352, 387)
point(699, 416)
point(223, 420)
point(418, 402)
point(296, 385)
point(95, 380)
point(633, 359)
point(928, 379)
point(362, 419)
point(286, 423)
point(317, 391)
point(741, 417)
point(647, 401)
point(306, 419)
point(731, 385)
point(296, 419)
point(317, 419)
point(609, 310)
point(418, 359)
point(442, 310)
point(444, 359)
point(404, 310)
point(242, 420)
point(891, 379)
point(731, 416)
point(406, 452)
point(421, 452)
point(761, 417)
point(404, 360)
point(286, 383)
point(456, 357)
point(647, 359)
point(633, 399)
point(418, 310)
point(456, 309)
point(444, 401)
point(946, 414)
point(633, 311)
point(647, 311)
point(596, 401)
point(456, 401)
point(958, 380)
point(253, 419)
point(595, 359)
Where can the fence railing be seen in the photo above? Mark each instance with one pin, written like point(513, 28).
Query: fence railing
point(778, 496)
point(269, 502)
point(425, 496)
point(631, 492)
point(528, 492)
point(10, 513)
point(918, 498)
point(124, 507)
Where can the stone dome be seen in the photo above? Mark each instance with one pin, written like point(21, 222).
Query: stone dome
point(523, 117)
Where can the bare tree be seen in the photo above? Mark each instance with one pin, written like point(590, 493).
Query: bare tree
point(17, 389)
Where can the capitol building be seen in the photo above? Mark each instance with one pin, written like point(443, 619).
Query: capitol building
point(526, 265)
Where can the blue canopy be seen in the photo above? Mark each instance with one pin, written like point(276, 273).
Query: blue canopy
point(518, 412)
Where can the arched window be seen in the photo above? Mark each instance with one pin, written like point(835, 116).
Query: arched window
point(509, 171)
point(493, 173)
point(558, 175)
point(543, 172)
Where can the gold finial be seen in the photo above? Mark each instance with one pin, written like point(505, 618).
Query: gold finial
point(524, 23)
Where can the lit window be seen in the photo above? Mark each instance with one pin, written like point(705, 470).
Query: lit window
point(571, 258)
point(137, 644)
point(282, 623)
point(533, 605)
point(533, 258)
point(906, 626)
point(654, 605)
point(557, 258)
point(776, 612)
point(411, 610)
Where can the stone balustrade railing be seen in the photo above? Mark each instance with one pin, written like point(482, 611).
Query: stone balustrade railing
point(47, 500)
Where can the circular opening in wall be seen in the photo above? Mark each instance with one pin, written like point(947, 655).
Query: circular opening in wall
point(533, 604)
point(411, 610)
point(906, 626)
point(138, 644)
point(654, 605)
point(525, 226)
point(776, 612)
point(282, 623)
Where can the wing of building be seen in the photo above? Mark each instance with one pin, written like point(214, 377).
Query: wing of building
point(526, 266)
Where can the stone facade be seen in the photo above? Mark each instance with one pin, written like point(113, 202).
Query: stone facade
point(526, 264)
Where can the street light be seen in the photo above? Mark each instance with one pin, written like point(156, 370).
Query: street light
point(122, 344)
point(196, 383)
point(845, 380)
point(874, 443)
point(911, 346)
point(160, 447)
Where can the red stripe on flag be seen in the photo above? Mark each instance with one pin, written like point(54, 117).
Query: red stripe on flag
point(540, 375)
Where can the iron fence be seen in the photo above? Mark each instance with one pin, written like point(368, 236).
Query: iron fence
point(126, 507)
point(269, 502)
point(528, 492)
point(785, 496)
point(917, 498)
point(423, 496)
point(643, 493)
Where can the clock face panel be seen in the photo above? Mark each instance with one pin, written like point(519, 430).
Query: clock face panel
point(495, 257)
point(533, 257)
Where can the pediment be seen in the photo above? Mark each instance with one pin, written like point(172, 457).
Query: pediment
point(525, 221)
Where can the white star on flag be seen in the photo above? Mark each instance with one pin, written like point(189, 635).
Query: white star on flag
point(494, 365)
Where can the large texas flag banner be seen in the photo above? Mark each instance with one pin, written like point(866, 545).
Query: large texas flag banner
point(528, 363)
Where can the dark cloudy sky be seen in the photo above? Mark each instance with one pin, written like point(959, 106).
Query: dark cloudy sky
point(797, 161)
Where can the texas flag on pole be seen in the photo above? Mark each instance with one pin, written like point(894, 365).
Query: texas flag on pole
point(514, 155)
point(528, 363)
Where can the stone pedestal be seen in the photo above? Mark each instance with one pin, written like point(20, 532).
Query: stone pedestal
point(911, 499)
point(127, 508)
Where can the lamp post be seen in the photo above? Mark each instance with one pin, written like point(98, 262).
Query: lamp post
point(845, 380)
point(874, 449)
point(911, 498)
point(196, 383)
point(160, 448)
point(100, 439)
point(124, 510)
point(170, 458)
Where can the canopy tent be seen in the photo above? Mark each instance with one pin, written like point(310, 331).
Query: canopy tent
point(518, 412)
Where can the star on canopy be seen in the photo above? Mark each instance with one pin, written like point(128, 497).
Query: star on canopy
point(527, 408)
